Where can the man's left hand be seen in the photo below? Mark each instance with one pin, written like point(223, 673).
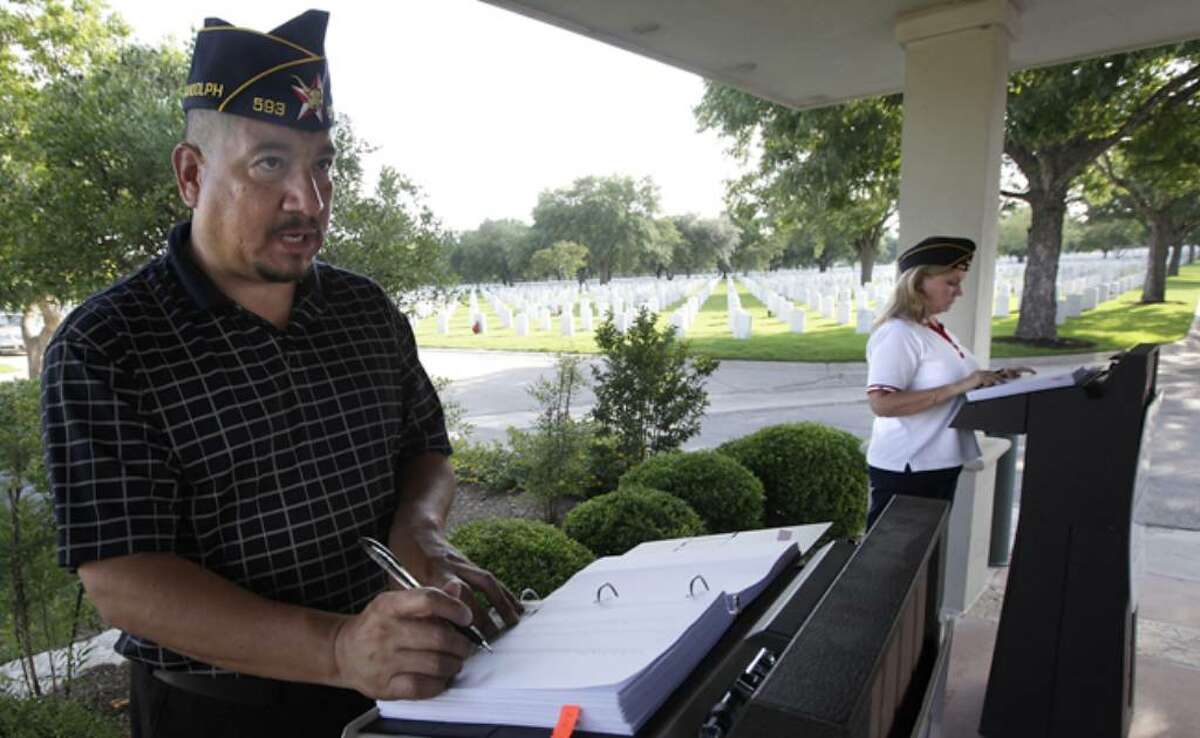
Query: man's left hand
point(427, 552)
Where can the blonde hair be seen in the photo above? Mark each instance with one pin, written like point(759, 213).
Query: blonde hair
point(908, 301)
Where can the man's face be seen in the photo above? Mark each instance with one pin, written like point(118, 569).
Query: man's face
point(262, 199)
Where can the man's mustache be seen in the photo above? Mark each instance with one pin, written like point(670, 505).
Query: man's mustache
point(298, 224)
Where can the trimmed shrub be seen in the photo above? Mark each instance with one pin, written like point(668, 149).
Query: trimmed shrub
point(53, 717)
point(606, 463)
point(522, 553)
point(811, 473)
point(725, 494)
point(613, 523)
point(491, 465)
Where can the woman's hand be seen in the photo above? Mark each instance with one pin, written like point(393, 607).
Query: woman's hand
point(1014, 372)
point(977, 378)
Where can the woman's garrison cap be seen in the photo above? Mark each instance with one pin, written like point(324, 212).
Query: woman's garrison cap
point(947, 251)
point(280, 77)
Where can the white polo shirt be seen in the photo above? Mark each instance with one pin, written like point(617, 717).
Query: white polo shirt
point(903, 355)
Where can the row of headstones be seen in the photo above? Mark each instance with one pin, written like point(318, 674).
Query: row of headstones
point(542, 316)
point(833, 306)
point(685, 315)
point(618, 294)
point(1083, 281)
point(1075, 296)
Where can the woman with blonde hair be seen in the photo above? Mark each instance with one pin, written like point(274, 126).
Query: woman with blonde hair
point(917, 374)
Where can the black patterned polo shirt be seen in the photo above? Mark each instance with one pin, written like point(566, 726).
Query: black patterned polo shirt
point(177, 421)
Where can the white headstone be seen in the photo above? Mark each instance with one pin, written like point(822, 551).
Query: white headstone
point(743, 325)
point(566, 323)
point(866, 316)
point(1001, 307)
point(521, 323)
point(796, 323)
point(680, 322)
point(443, 322)
point(479, 324)
point(843, 312)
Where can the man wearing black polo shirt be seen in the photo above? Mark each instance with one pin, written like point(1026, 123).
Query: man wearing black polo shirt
point(223, 425)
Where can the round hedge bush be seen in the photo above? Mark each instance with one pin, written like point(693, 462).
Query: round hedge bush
point(613, 523)
point(522, 553)
point(725, 494)
point(810, 472)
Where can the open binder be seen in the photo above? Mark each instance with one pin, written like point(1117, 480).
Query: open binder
point(618, 637)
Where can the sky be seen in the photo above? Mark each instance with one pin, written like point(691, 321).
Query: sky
point(483, 108)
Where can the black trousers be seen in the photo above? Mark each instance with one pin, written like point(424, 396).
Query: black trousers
point(938, 484)
point(160, 710)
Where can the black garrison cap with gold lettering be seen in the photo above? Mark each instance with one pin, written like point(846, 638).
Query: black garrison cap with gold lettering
point(947, 251)
point(279, 77)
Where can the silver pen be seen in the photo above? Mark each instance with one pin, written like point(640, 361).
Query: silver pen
point(383, 556)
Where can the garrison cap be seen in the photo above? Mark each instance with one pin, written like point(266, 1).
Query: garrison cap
point(947, 251)
point(279, 77)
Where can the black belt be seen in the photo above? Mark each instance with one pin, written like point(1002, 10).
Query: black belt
point(243, 690)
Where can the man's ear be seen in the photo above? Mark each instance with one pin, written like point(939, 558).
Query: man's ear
point(188, 163)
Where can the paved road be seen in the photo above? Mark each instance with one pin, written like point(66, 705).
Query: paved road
point(744, 395)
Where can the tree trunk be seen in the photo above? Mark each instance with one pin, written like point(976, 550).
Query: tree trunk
point(1176, 257)
point(1155, 287)
point(35, 343)
point(866, 258)
point(20, 601)
point(1039, 300)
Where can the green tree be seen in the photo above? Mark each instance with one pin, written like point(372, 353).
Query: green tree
point(1104, 234)
point(1157, 173)
point(1060, 120)
point(41, 601)
point(704, 244)
point(563, 260)
point(498, 250)
point(658, 256)
point(649, 390)
point(840, 164)
point(96, 195)
point(389, 235)
point(612, 216)
point(555, 452)
point(1012, 237)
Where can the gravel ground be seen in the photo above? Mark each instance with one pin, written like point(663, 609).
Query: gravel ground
point(473, 503)
point(105, 689)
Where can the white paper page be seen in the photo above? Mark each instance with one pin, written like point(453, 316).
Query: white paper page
point(585, 649)
point(1025, 385)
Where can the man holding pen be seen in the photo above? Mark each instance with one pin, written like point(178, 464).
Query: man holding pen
point(225, 424)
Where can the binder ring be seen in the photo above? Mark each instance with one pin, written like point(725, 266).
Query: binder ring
point(528, 594)
point(692, 585)
point(602, 587)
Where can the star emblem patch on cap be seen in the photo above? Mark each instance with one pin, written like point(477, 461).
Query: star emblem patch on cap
point(311, 96)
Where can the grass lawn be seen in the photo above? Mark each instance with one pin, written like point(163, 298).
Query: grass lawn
point(1121, 323)
point(1113, 325)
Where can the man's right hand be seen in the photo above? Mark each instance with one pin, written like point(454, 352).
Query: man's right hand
point(402, 645)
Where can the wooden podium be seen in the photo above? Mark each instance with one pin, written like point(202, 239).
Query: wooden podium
point(1065, 650)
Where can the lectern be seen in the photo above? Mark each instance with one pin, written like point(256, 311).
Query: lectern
point(846, 645)
point(1065, 649)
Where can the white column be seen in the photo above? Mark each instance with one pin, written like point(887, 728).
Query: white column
point(956, 72)
point(955, 90)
